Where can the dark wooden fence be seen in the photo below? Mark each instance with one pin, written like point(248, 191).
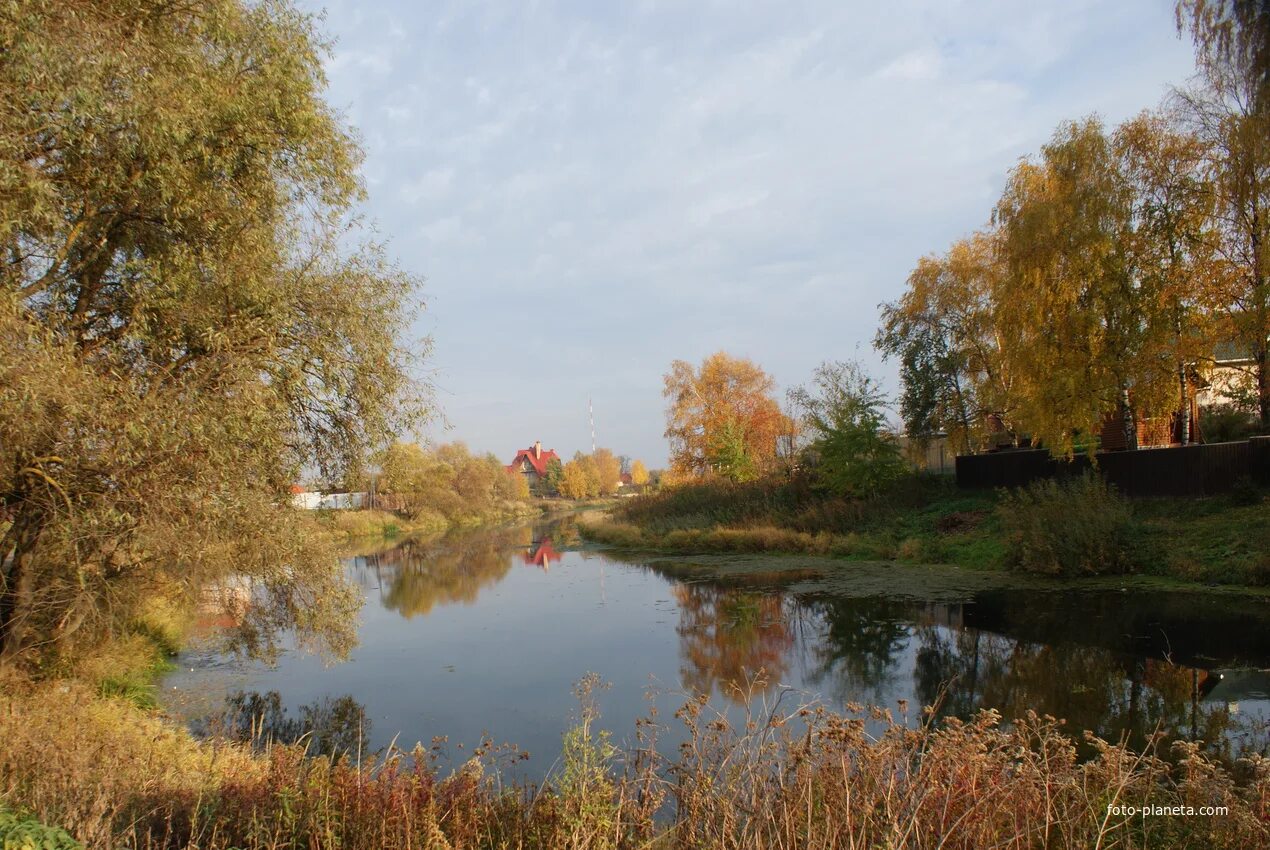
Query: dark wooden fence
point(1202, 470)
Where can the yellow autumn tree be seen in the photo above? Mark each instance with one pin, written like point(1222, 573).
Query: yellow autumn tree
point(722, 419)
point(576, 481)
point(639, 473)
point(608, 470)
point(1229, 108)
point(1172, 246)
point(1079, 332)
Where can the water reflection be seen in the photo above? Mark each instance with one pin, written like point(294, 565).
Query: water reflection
point(728, 637)
point(864, 646)
point(1113, 695)
point(1124, 667)
point(487, 630)
point(858, 646)
point(330, 726)
point(417, 575)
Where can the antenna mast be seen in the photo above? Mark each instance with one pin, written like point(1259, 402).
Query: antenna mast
point(590, 409)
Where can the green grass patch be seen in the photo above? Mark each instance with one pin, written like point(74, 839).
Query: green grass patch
point(1212, 541)
point(134, 671)
point(928, 520)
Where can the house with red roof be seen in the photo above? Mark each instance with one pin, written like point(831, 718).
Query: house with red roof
point(532, 463)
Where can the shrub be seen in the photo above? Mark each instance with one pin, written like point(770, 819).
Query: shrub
point(789, 776)
point(1074, 526)
point(1225, 423)
point(25, 833)
point(910, 549)
point(1245, 491)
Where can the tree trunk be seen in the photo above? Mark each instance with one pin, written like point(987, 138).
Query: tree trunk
point(1128, 422)
point(1263, 387)
point(1184, 427)
point(18, 591)
point(1261, 290)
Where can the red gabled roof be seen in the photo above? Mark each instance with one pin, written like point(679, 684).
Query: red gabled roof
point(538, 462)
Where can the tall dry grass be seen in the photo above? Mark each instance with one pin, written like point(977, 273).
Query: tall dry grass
point(801, 777)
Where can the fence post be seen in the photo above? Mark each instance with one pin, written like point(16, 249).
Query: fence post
point(1259, 466)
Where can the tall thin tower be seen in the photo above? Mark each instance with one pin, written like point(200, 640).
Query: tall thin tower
point(590, 409)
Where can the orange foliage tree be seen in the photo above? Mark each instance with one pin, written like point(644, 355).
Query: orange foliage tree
point(722, 419)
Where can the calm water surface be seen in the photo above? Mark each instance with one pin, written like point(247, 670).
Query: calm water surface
point(487, 632)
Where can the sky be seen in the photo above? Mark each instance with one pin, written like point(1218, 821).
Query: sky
point(591, 190)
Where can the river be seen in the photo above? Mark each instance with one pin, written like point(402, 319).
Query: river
point(487, 632)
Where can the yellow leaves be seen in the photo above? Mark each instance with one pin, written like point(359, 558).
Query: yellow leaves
point(576, 481)
point(1099, 277)
point(188, 321)
point(728, 397)
point(608, 471)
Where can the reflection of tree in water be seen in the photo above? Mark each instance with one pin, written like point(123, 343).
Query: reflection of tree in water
point(421, 575)
point(857, 652)
point(727, 636)
point(1111, 694)
point(328, 727)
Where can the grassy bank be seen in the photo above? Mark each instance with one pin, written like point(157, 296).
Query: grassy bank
point(1221, 540)
point(115, 775)
point(355, 524)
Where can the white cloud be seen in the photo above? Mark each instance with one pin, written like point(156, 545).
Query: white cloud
point(448, 229)
point(432, 185)
point(914, 65)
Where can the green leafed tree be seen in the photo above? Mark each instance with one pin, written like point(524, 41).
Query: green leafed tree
point(728, 452)
point(844, 414)
point(188, 317)
point(551, 481)
point(952, 371)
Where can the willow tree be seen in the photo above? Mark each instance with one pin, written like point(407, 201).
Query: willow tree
point(1229, 107)
point(1171, 244)
point(183, 327)
point(941, 330)
point(1075, 324)
point(722, 418)
point(1231, 36)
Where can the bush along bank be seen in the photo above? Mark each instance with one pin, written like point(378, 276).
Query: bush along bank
point(1073, 527)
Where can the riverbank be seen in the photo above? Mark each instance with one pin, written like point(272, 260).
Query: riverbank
point(369, 523)
point(801, 776)
point(1216, 541)
point(364, 524)
point(80, 752)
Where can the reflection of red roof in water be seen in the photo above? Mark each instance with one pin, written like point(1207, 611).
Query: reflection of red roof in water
point(542, 555)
